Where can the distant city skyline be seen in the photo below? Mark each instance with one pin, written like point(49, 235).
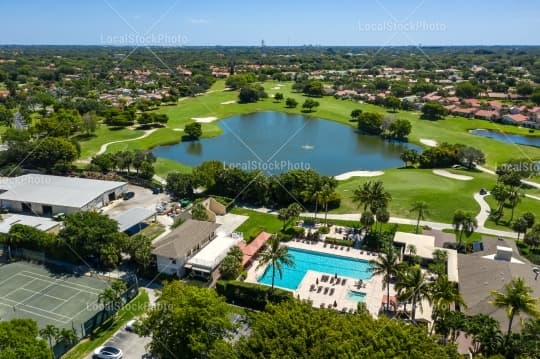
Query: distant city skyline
point(279, 23)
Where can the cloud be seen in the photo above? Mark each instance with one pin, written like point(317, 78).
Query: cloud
point(199, 21)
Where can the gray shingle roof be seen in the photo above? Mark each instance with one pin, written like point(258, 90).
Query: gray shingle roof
point(185, 237)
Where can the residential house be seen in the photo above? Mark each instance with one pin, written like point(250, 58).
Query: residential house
point(176, 248)
point(489, 115)
point(515, 119)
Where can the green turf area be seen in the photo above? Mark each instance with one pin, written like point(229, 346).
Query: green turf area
point(91, 145)
point(133, 309)
point(453, 129)
point(257, 221)
point(152, 231)
point(526, 205)
point(164, 166)
point(443, 195)
point(29, 290)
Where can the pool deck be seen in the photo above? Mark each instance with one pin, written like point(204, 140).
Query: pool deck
point(373, 287)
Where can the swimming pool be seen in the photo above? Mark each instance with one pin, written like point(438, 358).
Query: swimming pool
point(305, 260)
point(356, 296)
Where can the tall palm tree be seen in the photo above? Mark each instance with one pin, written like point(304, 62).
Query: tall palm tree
point(49, 333)
point(514, 198)
point(413, 284)
point(313, 195)
point(372, 196)
point(386, 265)
point(276, 255)
point(326, 195)
point(500, 193)
point(421, 208)
point(516, 299)
point(444, 294)
point(464, 222)
point(108, 299)
point(411, 249)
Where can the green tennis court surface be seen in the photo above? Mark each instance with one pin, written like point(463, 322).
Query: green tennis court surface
point(30, 290)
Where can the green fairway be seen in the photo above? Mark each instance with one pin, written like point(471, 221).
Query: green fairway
point(452, 130)
point(91, 145)
point(443, 195)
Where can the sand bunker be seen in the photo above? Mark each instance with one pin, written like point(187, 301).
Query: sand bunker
point(347, 175)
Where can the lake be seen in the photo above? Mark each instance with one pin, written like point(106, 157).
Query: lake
point(276, 142)
point(510, 138)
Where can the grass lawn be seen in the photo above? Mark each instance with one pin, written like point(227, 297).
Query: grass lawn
point(452, 129)
point(526, 205)
point(443, 195)
point(153, 230)
point(257, 221)
point(91, 145)
point(164, 166)
point(134, 308)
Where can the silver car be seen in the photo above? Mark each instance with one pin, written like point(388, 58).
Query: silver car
point(108, 352)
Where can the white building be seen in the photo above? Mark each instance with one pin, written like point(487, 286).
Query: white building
point(45, 195)
point(176, 248)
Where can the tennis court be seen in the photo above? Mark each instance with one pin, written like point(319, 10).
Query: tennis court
point(29, 290)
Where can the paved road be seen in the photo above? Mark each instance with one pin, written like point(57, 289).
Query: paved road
point(143, 198)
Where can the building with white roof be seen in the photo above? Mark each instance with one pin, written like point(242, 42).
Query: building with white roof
point(46, 195)
point(205, 262)
point(41, 223)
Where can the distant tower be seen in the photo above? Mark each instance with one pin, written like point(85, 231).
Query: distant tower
point(262, 44)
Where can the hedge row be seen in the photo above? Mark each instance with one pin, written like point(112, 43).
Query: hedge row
point(251, 295)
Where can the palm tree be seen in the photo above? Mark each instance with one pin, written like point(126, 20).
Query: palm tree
point(382, 216)
point(516, 299)
point(514, 198)
point(108, 299)
point(519, 226)
point(277, 256)
point(421, 208)
point(411, 249)
point(464, 222)
point(444, 295)
point(313, 195)
point(49, 333)
point(372, 195)
point(413, 284)
point(326, 195)
point(68, 336)
point(386, 265)
point(500, 194)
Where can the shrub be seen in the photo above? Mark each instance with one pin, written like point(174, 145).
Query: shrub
point(297, 232)
point(324, 230)
point(251, 295)
point(339, 242)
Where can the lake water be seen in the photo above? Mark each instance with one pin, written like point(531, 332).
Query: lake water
point(276, 142)
point(506, 137)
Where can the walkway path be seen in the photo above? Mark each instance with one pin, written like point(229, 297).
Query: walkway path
point(481, 218)
point(529, 183)
point(104, 146)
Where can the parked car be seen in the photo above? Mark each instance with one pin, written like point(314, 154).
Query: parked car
point(59, 217)
point(130, 326)
point(128, 195)
point(108, 352)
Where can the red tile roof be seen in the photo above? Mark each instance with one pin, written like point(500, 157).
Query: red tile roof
point(251, 249)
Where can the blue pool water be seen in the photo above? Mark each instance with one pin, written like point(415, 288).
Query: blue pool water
point(356, 296)
point(320, 262)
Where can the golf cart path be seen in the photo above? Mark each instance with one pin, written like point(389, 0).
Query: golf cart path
point(487, 170)
point(104, 146)
point(484, 213)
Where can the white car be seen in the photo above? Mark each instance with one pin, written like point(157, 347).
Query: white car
point(108, 352)
point(130, 326)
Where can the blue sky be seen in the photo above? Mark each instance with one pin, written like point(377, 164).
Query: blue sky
point(278, 22)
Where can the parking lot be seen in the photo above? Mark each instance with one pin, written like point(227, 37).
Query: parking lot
point(144, 198)
point(131, 344)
